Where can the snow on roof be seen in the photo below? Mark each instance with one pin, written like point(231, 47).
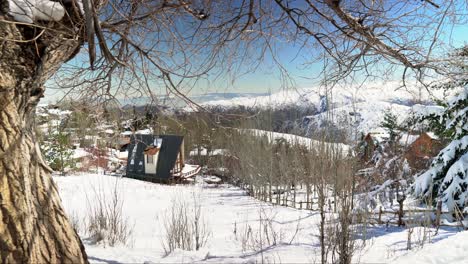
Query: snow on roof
point(59, 112)
point(379, 134)
point(203, 152)
point(147, 131)
point(432, 135)
point(407, 139)
point(80, 153)
point(126, 133)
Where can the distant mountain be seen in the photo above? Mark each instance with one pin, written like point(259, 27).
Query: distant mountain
point(176, 102)
point(351, 109)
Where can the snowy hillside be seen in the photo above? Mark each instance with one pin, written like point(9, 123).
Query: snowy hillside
point(175, 101)
point(229, 211)
point(365, 116)
point(357, 109)
point(294, 139)
point(383, 92)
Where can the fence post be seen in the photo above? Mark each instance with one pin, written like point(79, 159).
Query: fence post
point(400, 213)
point(300, 205)
point(438, 213)
point(380, 215)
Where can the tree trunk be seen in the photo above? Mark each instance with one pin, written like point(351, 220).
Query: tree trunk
point(33, 224)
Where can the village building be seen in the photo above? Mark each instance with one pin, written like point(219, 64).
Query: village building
point(371, 141)
point(158, 158)
point(421, 151)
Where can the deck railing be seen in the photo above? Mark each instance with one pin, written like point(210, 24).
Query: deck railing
point(190, 173)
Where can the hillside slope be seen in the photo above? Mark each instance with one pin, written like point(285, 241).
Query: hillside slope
point(353, 109)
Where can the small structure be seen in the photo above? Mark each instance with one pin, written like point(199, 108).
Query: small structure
point(158, 158)
point(371, 141)
point(91, 158)
point(421, 151)
point(368, 145)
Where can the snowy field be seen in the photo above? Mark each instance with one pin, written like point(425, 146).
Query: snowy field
point(229, 212)
point(294, 139)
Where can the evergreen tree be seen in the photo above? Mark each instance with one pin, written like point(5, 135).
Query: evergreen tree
point(447, 178)
point(390, 123)
point(57, 152)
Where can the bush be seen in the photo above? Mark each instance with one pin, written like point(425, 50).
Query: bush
point(185, 225)
point(257, 239)
point(105, 222)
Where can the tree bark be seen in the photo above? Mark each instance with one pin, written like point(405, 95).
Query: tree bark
point(33, 224)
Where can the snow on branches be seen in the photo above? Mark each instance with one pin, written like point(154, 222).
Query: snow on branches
point(29, 11)
point(447, 178)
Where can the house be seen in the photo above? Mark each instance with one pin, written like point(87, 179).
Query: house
point(90, 158)
point(421, 151)
point(367, 147)
point(158, 158)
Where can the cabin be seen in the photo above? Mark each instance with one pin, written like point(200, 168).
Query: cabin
point(368, 146)
point(371, 141)
point(158, 158)
point(421, 151)
point(87, 159)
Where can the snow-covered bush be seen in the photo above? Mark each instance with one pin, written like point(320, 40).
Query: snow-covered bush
point(447, 178)
point(185, 226)
point(261, 234)
point(106, 223)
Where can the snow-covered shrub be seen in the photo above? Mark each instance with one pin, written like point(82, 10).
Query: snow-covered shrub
point(75, 221)
point(105, 222)
point(447, 178)
point(262, 234)
point(184, 225)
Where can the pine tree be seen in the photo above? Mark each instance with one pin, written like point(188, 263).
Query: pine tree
point(447, 178)
point(390, 123)
point(57, 152)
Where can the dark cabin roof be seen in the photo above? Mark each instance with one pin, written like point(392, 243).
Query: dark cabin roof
point(167, 156)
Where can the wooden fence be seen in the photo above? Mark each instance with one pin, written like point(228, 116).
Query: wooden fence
point(401, 217)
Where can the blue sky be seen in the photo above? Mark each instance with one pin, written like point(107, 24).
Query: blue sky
point(267, 77)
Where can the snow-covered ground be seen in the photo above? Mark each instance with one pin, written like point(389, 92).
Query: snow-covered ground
point(228, 212)
point(294, 139)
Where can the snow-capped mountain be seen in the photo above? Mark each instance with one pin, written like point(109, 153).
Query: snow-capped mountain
point(353, 109)
point(175, 101)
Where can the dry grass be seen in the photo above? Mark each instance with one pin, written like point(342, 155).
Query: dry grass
point(185, 225)
point(105, 222)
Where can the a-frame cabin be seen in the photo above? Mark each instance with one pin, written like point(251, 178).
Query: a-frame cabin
point(155, 158)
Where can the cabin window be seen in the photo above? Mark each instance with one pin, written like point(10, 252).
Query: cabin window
point(149, 159)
